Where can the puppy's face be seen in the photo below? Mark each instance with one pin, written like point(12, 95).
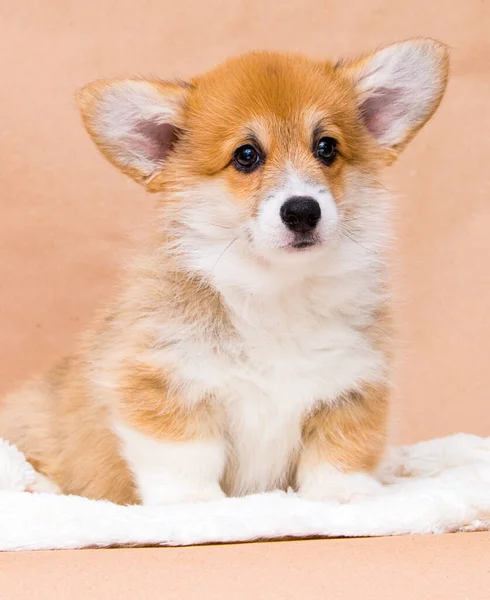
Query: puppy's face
point(271, 144)
point(269, 157)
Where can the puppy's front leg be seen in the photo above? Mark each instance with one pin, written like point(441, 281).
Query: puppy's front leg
point(343, 445)
point(175, 451)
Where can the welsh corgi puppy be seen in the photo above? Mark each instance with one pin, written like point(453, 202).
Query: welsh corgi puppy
point(248, 348)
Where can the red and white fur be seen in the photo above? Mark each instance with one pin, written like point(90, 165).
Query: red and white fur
point(242, 354)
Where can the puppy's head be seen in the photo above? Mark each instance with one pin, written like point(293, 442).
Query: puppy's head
point(269, 158)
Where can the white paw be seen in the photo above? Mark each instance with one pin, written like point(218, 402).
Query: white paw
point(326, 483)
point(177, 494)
point(43, 485)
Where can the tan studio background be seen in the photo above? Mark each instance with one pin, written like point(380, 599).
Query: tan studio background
point(66, 214)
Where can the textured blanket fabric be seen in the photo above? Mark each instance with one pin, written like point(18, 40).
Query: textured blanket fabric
point(433, 487)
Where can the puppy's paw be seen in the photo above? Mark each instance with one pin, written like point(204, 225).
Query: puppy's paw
point(326, 483)
point(43, 485)
point(180, 494)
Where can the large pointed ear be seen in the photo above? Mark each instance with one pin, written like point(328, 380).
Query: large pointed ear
point(398, 89)
point(134, 122)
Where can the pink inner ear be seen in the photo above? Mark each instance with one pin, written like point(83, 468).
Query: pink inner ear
point(382, 109)
point(154, 140)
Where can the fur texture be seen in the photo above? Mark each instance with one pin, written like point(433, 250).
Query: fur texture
point(240, 356)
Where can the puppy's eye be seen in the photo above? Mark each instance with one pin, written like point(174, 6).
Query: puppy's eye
point(326, 150)
point(246, 158)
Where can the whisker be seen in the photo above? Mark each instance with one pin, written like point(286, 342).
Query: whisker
point(359, 243)
point(227, 247)
point(381, 184)
point(220, 226)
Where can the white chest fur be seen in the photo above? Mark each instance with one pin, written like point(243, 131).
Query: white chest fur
point(269, 391)
point(288, 354)
point(281, 376)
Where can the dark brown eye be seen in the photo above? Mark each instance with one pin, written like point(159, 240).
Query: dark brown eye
point(246, 158)
point(326, 150)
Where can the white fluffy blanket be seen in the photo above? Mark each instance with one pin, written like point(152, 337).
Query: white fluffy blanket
point(433, 487)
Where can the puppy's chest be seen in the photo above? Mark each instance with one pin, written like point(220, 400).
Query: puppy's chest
point(284, 365)
point(296, 359)
point(283, 361)
point(275, 379)
point(267, 376)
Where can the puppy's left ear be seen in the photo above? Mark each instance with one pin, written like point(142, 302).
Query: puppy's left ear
point(398, 89)
point(135, 123)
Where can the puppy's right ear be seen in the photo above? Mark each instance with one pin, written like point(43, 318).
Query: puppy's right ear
point(134, 122)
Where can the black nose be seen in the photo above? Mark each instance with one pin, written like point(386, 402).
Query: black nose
point(301, 213)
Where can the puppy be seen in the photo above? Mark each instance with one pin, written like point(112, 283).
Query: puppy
point(249, 346)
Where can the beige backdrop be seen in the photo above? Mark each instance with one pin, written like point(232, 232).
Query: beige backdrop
point(66, 214)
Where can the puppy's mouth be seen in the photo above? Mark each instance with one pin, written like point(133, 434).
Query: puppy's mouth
point(303, 244)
